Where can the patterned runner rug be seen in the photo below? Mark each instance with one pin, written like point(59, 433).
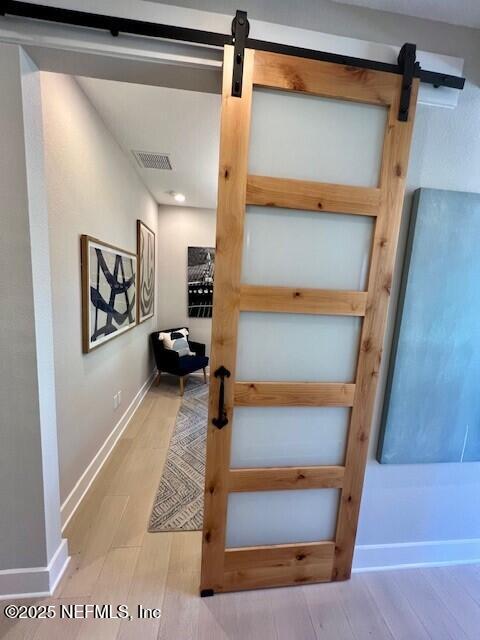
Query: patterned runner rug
point(178, 504)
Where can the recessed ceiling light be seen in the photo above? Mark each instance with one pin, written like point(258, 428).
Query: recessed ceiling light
point(178, 197)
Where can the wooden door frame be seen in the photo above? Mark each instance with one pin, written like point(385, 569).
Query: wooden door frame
point(276, 565)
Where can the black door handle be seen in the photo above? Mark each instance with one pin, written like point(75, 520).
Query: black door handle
point(222, 419)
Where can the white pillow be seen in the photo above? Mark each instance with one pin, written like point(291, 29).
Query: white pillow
point(176, 341)
point(167, 337)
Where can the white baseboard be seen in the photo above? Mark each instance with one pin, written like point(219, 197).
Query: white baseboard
point(406, 555)
point(73, 500)
point(35, 582)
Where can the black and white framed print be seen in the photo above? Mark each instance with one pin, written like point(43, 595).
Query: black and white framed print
point(109, 283)
point(146, 271)
point(200, 275)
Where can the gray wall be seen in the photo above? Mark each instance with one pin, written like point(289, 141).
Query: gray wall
point(179, 228)
point(29, 501)
point(92, 189)
point(414, 502)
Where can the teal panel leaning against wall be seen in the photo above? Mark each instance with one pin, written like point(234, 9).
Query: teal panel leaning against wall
point(432, 402)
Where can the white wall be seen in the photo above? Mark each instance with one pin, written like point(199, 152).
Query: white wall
point(92, 189)
point(32, 554)
point(179, 228)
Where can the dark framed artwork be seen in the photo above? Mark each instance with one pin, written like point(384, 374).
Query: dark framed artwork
point(146, 272)
point(200, 276)
point(109, 283)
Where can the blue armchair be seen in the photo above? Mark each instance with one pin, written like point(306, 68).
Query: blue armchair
point(170, 362)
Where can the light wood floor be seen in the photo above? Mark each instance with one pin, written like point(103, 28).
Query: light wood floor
point(114, 560)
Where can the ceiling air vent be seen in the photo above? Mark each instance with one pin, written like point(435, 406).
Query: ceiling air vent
point(153, 160)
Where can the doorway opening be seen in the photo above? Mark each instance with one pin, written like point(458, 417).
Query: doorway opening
point(122, 157)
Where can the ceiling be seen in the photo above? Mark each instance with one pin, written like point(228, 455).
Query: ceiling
point(462, 12)
point(183, 124)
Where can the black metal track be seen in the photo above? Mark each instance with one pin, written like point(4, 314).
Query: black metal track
point(112, 24)
point(427, 77)
point(138, 27)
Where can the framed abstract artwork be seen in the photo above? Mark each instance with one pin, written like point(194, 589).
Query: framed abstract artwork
point(109, 284)
point(146, 272)
point(200, 275)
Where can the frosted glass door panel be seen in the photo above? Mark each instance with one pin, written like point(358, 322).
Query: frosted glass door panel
point(289, 248)
point(297, 348)
point(313, 138)
point(281, 517)
point(288, 436)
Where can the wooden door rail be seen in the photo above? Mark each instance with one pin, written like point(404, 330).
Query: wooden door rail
point(278, 478)
point(312, 196)
point(277, 565)
point(293, 394)
point(298, 300)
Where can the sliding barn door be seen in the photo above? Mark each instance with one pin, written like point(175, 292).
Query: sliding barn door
point(313, 160)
